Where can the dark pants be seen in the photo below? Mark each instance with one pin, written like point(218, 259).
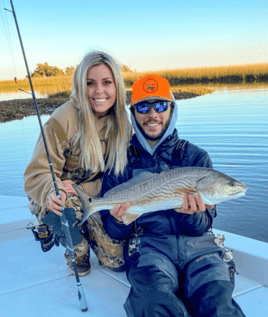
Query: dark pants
point(159, 288)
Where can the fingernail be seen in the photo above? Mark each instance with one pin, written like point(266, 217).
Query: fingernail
point(62, 209)
point(62, 205)
point(60, 214)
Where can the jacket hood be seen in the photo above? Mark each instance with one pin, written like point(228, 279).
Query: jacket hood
point(143, 141)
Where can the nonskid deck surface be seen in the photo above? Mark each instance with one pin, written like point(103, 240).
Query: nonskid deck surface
point(40, 284)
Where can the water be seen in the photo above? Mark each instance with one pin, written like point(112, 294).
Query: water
point(233, 128)
point(17, 141)
point(230, 125)
point(20, 95)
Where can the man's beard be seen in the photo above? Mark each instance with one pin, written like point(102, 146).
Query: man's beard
point(153, 138)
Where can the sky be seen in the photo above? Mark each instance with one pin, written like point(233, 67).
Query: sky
point(144, 35)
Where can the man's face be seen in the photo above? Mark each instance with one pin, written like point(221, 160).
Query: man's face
point(153, 123)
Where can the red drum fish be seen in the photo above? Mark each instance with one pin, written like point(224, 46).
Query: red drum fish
point(149, 192)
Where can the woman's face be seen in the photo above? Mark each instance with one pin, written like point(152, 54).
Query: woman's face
point(101, 89)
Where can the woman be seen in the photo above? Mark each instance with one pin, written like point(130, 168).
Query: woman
point(85, 136)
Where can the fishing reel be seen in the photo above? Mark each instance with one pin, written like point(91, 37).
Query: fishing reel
point(44, 234)
point(52, 231)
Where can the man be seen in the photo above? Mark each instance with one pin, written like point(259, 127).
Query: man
point(173, 263)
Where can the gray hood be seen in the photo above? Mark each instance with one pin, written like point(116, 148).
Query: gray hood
point(168, 132)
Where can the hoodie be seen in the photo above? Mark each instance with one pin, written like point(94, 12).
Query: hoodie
point(143, 141)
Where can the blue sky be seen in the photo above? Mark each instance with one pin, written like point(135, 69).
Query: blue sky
point(145, 35)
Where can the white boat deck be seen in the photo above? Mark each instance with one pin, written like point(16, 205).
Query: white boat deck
point(34, 283)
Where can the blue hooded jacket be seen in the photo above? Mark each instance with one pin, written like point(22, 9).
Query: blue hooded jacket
point(170, 152)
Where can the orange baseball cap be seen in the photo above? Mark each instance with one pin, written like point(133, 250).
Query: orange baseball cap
point(150, 87)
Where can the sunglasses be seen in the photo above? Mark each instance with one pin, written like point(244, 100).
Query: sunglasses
point(145, 106)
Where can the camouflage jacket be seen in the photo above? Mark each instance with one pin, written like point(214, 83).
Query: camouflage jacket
point(59, 130)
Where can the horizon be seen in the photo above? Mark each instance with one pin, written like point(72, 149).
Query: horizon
point(151, 36)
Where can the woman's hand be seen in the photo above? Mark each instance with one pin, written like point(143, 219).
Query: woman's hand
point(119, 210)
point(192, 204)
point(67, 185)
point(55, 204)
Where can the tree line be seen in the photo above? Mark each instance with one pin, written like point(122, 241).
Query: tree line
point(45, 70)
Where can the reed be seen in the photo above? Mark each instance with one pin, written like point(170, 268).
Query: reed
point(57, 85)
point(44, 85)
point(194, 89)
point(184, 77)
point(238, 73)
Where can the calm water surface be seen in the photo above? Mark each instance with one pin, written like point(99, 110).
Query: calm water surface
point(231, 126)
point(19, 95)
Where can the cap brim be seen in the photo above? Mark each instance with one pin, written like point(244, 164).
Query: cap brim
point(150, 99)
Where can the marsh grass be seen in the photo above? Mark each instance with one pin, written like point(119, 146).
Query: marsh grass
point(220, 74)
point(180, 79)
point(197, 90)
point(44, 85)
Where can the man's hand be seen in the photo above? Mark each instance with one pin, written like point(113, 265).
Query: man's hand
point(119, 210)
point(192, 204)
point(55, 204)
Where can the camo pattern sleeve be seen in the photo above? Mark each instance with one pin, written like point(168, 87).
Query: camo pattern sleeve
point(58, 130)
point(37, 177)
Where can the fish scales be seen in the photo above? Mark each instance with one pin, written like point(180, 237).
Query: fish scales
point(166, 181)
point(152, 191)
point(148, 188)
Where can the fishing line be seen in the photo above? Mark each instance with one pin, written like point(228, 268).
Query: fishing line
point(10, 46)
point(9, 42)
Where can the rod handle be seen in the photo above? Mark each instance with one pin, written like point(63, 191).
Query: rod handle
point(82, 298)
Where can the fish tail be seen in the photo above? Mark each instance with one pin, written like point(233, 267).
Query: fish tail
point(85, 201)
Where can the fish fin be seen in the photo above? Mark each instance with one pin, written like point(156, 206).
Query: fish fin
point(182, 191)
point(85, 201)
point(129, 217)
point(133, 181)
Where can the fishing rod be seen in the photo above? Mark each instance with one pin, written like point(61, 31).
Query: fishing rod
point(64, 222)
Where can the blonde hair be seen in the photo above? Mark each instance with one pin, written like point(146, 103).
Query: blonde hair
point(118, 128)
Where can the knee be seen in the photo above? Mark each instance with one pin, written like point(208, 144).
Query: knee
point(155, 302)
point(208, 287)
point(214, 299)
point(205, 270)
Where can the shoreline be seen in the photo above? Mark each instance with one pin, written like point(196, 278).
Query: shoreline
point(18, 109)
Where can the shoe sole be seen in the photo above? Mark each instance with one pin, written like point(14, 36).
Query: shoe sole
point(81, 273)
